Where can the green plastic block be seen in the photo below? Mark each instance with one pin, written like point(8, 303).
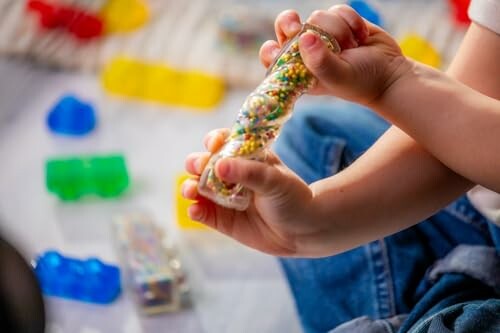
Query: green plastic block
point(74, 177)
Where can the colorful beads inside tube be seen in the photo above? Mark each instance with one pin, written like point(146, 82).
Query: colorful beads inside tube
point(260, 118)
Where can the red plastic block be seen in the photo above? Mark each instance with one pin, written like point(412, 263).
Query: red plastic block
point(459, 10)
point(78, 22)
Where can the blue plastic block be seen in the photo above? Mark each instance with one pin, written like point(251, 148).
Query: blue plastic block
point(367, 11)
point(71, 116)
point(88, 280)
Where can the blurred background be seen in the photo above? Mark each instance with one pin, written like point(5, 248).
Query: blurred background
point(147, 79)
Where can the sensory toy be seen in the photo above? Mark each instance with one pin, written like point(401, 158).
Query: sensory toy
point(153, 270)
point(124, 15)
point(71, 116)
point(366, 10)
point(78, 22)
point(419, 49)
point(182, 205)
point(161, 83)
point(260, 119)
point(73, 177)
point(88, 280)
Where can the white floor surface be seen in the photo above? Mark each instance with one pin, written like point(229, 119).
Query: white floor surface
point(235, 289)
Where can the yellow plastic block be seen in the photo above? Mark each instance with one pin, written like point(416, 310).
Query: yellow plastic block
point(182, 204)
point(160, 83)
point(419, 49)
point(124, 15)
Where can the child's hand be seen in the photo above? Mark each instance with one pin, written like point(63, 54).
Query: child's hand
point(369, 63)
point(276, 220)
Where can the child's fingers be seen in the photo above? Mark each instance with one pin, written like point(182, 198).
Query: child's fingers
point(195, 162)
point(215, 138)
point(287, 25)
point(336, 26)
point(189, 189)
point(211, 215)
point(343, 24)
point(204, 211)
point(200, 211)
point(268, 52)
point(329, 68)
point(257, 176)
point(355, 22)
point(197, 212)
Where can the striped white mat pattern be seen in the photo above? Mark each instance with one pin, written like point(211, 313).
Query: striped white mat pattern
point(184, 34)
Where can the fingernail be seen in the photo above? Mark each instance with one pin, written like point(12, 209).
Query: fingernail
point(195, 213)
point(294, 27)
point(275, 52)
point(308, 40)
point(223, 169)
point(210, 141)
point(197, 165)
point(210, 138)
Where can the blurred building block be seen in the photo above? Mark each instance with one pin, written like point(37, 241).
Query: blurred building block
point(76, 21)
point(419, 49)
point(157, 82)
point(71, 178)
point(459, 10)
point(242, 30)
point(88, 280)
point(152, 267)
point(71, 116)
point(190, 35)
point(124, 15)
point(366, 10)
point(181, 207)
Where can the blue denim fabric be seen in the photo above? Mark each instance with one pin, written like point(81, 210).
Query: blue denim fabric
point(387, 277)
point(466, 259)
point(455, 283)
point(467, 317)
point(365, 324)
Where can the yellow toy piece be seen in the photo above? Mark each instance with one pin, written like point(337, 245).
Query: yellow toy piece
point(160, 83)
point(419, 49)
point(124, 15)
point(181, 206)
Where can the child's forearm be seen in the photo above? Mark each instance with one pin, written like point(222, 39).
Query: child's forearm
point(433, 183)
point(394, 185)
point(476, 62)
point(397, 183)
point(455, 123)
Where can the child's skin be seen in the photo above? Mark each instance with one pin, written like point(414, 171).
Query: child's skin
point(397, 182)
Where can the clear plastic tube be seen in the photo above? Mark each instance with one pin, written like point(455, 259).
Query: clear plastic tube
point(260, 119)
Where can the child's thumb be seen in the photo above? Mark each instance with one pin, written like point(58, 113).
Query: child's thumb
point(257, 176)
point(326, 66)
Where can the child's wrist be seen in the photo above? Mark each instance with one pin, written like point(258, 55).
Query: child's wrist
point(400, 70)
point(402, 88)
